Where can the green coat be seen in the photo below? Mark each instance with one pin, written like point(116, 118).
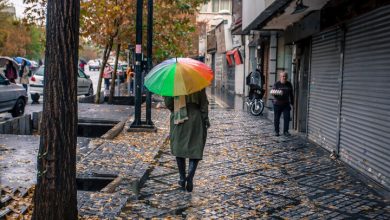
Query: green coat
point(189, 138)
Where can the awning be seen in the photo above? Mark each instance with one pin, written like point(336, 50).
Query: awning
point(280, 15)
point(266, 15)
point(234, 55)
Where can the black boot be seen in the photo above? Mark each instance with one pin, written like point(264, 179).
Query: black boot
point(191, 173)
point(181, 164)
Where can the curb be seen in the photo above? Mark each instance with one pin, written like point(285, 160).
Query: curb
point(113, 132)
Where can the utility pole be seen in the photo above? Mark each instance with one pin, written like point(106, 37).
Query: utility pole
point(149, 64)
point(138, 68)
point(138, 124)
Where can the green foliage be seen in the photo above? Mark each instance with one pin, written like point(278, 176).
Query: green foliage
point(18, 38)
point(37, 44)
point(175, 29)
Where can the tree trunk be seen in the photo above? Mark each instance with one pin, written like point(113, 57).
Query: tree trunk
point(106, 55)
point(112, 89)
point(55, 194)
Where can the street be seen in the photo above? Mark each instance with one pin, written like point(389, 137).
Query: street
point(95, 78)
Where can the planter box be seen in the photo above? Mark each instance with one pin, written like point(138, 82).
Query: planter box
point(20, 125)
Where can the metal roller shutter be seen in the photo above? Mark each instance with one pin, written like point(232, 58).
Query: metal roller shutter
point(324, 89)
point(365, 112)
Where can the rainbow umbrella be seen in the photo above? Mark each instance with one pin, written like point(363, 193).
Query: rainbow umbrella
point(178, 76)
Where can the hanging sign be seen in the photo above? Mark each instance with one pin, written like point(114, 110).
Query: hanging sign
point(138, 48)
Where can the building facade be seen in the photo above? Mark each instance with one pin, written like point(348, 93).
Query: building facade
point(223, 50)
point(337, 55)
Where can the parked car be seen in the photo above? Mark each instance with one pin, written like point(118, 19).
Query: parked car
point(94, 65)
point(84, 83)
point(13, 98)
point(121, 71)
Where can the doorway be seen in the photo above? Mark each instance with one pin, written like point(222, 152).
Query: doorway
point(301, 67)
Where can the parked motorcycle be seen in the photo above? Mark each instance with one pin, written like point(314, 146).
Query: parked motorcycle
point(254, 103)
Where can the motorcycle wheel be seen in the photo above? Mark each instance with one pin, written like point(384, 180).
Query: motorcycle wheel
point(257, 108)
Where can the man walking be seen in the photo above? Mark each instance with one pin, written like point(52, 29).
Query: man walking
point(284, 97)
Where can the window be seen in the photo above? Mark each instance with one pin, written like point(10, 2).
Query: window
point(40, 71)
point(203, 8)
point(224, 5)
point(2, 79)
point(215, 5)
point(221, 5)
point(82, 74)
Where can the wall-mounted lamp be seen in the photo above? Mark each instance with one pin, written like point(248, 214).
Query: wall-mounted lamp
point(300, 7)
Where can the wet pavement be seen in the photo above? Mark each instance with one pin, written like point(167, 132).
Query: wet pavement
point(87, 111)
point(227, 100)
point(246, 172)
point(18, 176)
point(18, 159)
point(126, 159)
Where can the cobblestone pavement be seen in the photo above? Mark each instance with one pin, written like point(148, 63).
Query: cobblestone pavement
point(246, 172)
point(129, 158)
point(125, 159)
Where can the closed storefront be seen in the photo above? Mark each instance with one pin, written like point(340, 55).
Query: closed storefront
point(219, 70)
point(324, 89)
point(365, 112)
point(230, 78)
point(349, 104)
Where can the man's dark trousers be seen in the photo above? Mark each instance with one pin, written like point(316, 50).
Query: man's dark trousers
point(278, 110)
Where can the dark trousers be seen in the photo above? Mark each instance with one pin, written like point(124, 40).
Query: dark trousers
point(25, 86)
point(278, 110)
point(107, 83)
point(181, 164)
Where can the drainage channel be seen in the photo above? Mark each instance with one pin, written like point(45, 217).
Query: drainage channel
point(94, 182)
point(94, 127)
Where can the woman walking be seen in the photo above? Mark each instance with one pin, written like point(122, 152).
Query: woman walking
point(107, 76)
point(189, 122)
point(24, 75)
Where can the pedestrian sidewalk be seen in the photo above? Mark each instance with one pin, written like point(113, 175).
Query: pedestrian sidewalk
point(126, 159)
point(246, 172)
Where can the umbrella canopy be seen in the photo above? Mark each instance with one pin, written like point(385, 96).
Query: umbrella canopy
point(178, 76)
point(3, 61)
point(20, 59)
point(33, 63)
